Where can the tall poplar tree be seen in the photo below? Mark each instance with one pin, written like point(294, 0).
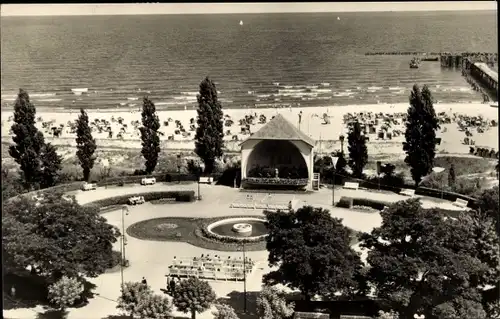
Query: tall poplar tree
point(358, 153)
point(51, 166)
point(149, 135)
point(420, 135)
point(85, 144)
point(210, 130)
point(28, 141)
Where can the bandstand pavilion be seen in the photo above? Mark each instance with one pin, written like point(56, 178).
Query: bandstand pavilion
point(277, 155)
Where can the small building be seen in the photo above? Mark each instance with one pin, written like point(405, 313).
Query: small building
point(278, 155)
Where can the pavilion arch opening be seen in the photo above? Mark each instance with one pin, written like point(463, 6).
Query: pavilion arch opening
point(269, 157)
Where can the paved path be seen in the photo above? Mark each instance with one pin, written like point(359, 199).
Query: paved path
point(151, 258)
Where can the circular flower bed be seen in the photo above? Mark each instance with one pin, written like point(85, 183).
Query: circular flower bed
point(191, 231)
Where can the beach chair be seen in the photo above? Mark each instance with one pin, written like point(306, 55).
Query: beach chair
point(461, 203)
point(407, 192)
point(349, 185)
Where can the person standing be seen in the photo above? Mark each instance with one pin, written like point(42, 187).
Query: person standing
point(144, 281)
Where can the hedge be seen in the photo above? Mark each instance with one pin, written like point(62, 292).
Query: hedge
point(179, 196)
point(376, 204)
point(345, 202)
point(63, 188)
point(424, 191)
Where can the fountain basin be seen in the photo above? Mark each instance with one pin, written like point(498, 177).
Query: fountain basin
point(239, 228)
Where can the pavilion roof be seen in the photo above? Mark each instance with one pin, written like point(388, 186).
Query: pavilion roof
point(279, 128)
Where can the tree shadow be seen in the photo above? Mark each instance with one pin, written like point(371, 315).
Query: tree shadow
point(53, 314)
point(30, 291)
point(236, 300)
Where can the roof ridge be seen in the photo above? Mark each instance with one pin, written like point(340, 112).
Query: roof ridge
point(279, 124)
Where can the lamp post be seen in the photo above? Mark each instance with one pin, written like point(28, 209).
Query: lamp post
point(179, 168)
point(438, 170)
point(334, 162)
point(123, 242)
point(201, 169)
point(244, 279)
point(341, 138)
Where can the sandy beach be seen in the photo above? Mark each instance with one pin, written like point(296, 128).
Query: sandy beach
point(124, 124)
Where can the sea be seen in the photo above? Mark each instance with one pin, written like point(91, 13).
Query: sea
point(268, 60)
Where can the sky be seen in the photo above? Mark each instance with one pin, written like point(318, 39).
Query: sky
point(212, 8)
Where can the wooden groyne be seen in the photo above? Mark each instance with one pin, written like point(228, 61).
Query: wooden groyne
point(402, 53)
point(457, 60)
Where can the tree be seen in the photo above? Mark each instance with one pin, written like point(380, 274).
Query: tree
point(149, 135)
point(451, 176)
point(28, 141)
point(358, 153)
point(210, 131)
point(46, 236)
point(132, 294)
point(11, 184)
point(312, 252)
point(85, 144)
point(154, 307)
point(65, 292)
point(193, 296)
point(51, 166)
point(420, 134)
point(488, 203)
point(224, 311)
point(423, 263)
point(271, 304)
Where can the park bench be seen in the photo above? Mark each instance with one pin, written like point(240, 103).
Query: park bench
point(407, 192)
point(350, 185)
point(136, 200)
point(89, 186)
point(461, 203)
point(206, 180)
point(148, 181)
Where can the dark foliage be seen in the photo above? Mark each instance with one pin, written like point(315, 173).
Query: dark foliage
point(423, 263)
point(358, 153)
point(149, 135)
point(420, 134)
point(210, 130)
point(85, 144)
point(28, 142)
point(312, 252)
point(51, 166)
point(56, 237)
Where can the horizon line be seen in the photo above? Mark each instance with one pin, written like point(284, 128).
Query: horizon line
point(239, 13)
point(243, 8)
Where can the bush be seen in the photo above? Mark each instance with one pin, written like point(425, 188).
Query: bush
point(116, 258)
point(179, 196)
point(376, 204)
point(345, 202)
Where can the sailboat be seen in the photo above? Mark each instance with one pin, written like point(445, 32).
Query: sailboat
point(338, 18)
point(241, 22)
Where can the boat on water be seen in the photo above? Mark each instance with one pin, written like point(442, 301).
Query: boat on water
point(338, 18)
point(414, 63)
point(430, 59)
point(79, 91)
point(241, 22)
